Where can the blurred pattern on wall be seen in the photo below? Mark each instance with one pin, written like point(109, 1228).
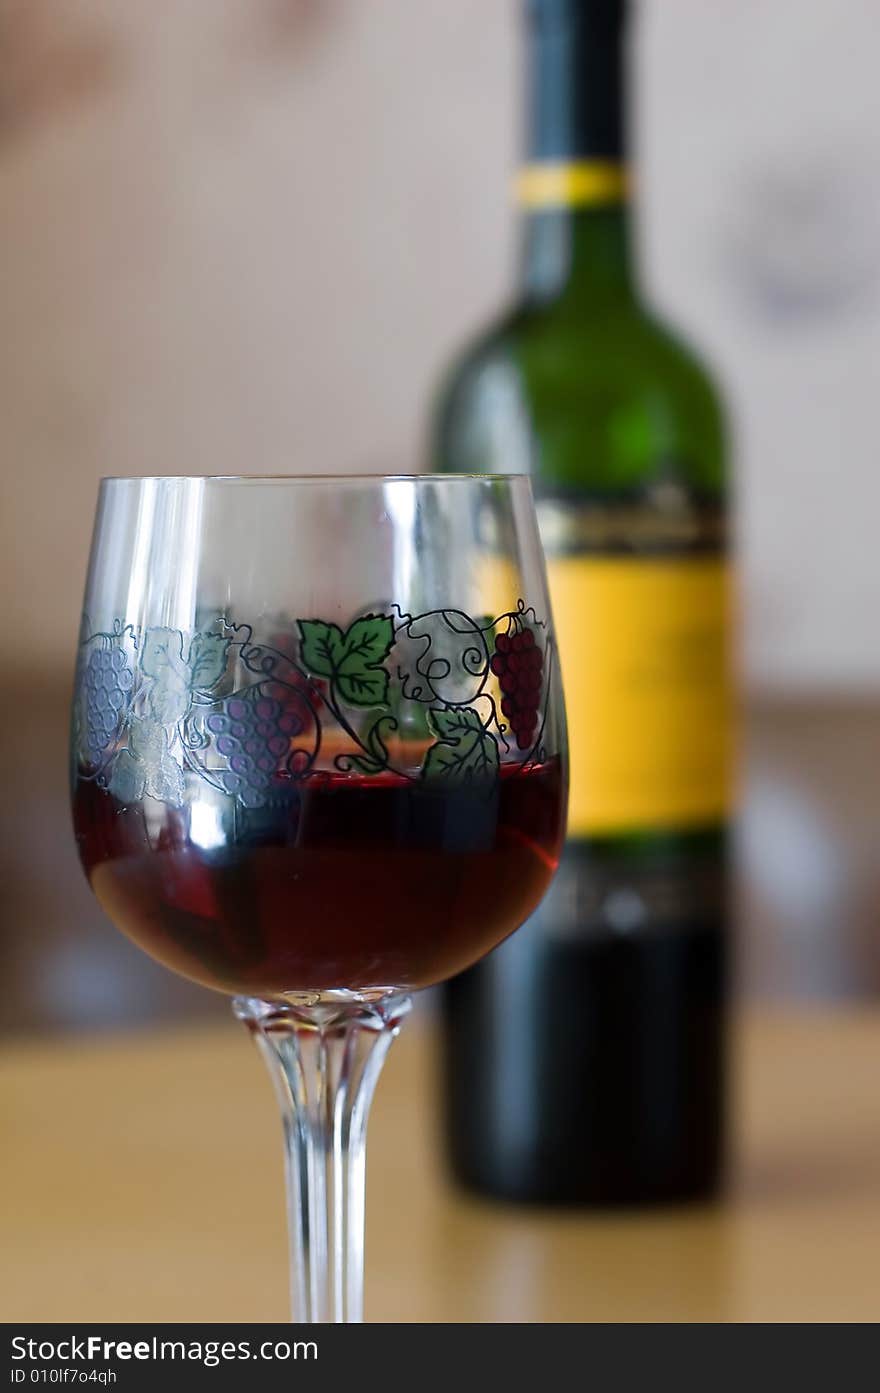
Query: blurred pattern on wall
point(243, 236)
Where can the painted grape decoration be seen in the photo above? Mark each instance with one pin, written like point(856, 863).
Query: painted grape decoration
point(518, 663)
point(254, 738)
point(108, 680)
point(156, 705)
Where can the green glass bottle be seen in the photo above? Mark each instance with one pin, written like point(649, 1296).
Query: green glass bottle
point(584, 1059)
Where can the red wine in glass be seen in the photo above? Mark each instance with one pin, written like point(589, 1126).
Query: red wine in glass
point(355, 882)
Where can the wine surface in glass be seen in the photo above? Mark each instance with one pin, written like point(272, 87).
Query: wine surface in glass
point(355, 882)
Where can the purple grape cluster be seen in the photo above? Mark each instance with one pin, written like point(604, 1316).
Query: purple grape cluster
point(518, 663)
point(253, 736)
point(108, 681)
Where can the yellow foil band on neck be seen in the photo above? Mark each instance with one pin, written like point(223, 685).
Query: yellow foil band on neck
point(566, 184)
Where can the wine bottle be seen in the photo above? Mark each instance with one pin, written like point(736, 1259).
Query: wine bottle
point(584, 1059)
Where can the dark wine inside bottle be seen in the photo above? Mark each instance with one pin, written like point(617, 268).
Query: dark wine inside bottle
point(584, 1059)
point(588, 1067)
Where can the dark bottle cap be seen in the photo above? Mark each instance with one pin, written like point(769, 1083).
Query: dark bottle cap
point(577, 79)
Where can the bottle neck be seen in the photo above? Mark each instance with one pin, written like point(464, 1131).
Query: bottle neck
point(580, 254)
point(573, 189)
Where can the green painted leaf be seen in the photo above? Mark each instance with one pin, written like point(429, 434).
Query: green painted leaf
point(352, 660)
point(360, 677)
point(207, 659)
point(367, 642)
point(453, 723)
point(465, 752)
point(366, 686)
point(321, 647)
point(468, 761)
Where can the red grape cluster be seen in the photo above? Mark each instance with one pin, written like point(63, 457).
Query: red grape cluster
point(518, 664)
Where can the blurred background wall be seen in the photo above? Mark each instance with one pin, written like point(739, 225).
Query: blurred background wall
point(244, 236)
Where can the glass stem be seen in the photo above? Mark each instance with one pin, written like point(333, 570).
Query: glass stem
point(324, 1061)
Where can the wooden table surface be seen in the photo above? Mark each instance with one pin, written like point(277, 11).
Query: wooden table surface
point(141, 1180)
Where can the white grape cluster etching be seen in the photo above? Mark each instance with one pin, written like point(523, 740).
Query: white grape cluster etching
point(439, 697)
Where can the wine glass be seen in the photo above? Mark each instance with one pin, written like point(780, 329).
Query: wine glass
point(318, 761)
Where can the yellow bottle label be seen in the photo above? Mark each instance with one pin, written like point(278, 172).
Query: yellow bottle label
point(571, 184)
point(645, 666)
